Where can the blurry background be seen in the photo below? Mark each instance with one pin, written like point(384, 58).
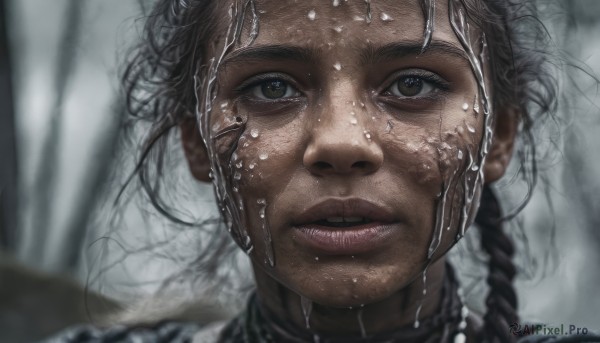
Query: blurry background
point(60, 172)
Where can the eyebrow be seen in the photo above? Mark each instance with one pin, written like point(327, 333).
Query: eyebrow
point(278, 52)
point(374, 55)
point(369, 55)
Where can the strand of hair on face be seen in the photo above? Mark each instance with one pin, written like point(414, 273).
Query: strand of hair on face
point(501, 301)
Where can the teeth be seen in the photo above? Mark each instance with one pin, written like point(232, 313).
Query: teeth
point(345, 219)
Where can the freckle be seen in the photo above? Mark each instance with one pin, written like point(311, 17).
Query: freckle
point(353, 121)
point(465, 107)
point(337, 66)
point(312, 14)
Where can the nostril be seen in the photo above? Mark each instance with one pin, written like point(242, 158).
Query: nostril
point(360, 164)
point(322, 165)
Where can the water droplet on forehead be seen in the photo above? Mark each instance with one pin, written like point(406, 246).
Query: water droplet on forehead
point(239, 165)
point(353, 121)
point(355, 280)
point(336, 3)
point(337, 66)
point(312, 14)
point(252, 165)
point(470, 128)
point(237, 176)
point(465, 107)
point(254, 133)
point(263, 156)
point(385, 17)
point(338, 29)
point(224, 104)
point(460, 154)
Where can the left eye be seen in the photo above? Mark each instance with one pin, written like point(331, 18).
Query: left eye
point(411, 86)
point(273, 89)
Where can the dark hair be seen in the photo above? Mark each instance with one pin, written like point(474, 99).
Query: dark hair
point(159, 81)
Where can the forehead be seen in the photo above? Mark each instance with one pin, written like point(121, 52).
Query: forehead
point(338, 23)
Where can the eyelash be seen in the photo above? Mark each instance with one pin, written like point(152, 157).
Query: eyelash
point(247, 88)
point(433, 80)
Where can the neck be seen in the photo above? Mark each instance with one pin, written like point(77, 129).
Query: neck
point(397, 311)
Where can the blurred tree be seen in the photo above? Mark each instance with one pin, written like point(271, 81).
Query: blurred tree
point(8, 155)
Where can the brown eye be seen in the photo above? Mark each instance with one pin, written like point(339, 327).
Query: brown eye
point(414, 86)
point(274, 89)
point(410, 86)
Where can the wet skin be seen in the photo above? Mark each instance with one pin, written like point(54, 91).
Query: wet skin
point(344, 111)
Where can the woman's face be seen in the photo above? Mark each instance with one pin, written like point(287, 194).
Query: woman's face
point(352, 135)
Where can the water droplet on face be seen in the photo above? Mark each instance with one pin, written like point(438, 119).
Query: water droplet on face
point(239, 165)
point(237, 176)
point(312, 14)
point(306, 305)
point(355, 280)
point(476, 105)
point(336, 3)
point(475, 167)
point(337, 66)
point(353, 121)
point(263, 156)
point(224, 104)
point(385, 17)
point(338, 29)
point(316, 258)
point(465, 107)
point(470, 128)
point(460, 154)
point(252, 165)
point(254, 133)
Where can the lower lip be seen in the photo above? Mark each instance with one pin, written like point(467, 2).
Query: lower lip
point(344, 241)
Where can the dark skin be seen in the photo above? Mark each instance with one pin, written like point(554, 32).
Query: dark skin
point(361, 116)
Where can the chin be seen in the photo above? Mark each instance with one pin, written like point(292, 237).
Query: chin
point(344, 291)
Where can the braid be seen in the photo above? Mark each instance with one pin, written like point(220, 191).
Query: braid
point(501, 301)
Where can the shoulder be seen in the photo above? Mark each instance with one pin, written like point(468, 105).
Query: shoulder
point(175, 332)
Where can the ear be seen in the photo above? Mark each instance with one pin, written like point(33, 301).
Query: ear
point(505, 131)
point(195, 150)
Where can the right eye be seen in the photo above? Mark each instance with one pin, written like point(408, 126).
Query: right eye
point(273, 89)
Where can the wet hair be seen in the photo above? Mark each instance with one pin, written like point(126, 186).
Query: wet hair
point(159, 83)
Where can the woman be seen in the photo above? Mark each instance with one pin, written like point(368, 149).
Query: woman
point(350, 144)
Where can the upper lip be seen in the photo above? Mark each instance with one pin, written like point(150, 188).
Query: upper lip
point(352, 207)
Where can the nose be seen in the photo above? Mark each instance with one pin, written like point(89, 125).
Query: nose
point(344, 149)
